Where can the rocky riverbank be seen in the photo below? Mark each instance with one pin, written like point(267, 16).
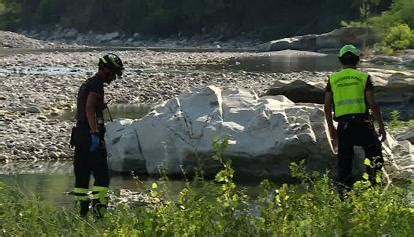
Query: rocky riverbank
point(14, 40)
point(70, 36)
point(37, 87)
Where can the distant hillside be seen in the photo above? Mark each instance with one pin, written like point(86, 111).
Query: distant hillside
point(267, 19)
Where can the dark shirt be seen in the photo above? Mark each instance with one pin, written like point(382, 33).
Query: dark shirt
point(93, 84)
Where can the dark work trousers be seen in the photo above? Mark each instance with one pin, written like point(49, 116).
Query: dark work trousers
point(88, 163)
point(358, 132)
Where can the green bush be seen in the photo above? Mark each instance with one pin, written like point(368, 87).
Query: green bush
point(395, 120)
point(396, 125)
point(399, 37)
point(400, 12)
point(311, 207)
point(394, 26)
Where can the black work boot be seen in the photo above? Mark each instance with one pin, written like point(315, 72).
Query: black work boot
point(84, 207)
point(98, 208)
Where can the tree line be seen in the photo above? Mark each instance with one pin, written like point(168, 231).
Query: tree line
point(394, 26)
point(267, 19)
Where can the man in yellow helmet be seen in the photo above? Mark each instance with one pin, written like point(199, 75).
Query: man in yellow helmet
point(350, 94)
point(88, 137)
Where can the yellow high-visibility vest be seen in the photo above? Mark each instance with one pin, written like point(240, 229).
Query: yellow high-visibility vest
point(348, 89)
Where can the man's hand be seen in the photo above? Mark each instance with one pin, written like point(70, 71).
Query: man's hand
point(382, 133)
point(95, 140)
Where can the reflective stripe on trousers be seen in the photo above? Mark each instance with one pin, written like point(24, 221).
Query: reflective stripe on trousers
point(100, 193)
point(81, 194)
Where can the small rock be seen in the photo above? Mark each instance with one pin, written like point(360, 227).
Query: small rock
point(54, 155)
point(3, 157)
point(42, 117)
point(52, 148)
point(407, 135)
point(33, 109)
point(54, 113)
point(18, 109)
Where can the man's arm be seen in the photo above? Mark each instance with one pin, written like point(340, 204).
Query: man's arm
point(328, 114)
point(329, 120)
point(91, 105)
point(372, 103)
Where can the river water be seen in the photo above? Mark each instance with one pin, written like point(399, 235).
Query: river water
point(53, 180)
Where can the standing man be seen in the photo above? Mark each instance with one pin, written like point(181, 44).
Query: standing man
point(88, 137)
point(350, 94)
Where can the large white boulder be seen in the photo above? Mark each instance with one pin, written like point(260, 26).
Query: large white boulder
point(266, 134)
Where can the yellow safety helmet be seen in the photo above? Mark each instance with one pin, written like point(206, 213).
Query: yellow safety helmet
point(113, 62)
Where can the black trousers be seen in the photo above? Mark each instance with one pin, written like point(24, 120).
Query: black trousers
point(88, 163)
point(358, 132)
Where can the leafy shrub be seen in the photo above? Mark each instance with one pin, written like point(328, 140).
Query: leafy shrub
point(395, 119)
point(396, 125)
point(393, 26)
point(311, 207)
point(399, 37)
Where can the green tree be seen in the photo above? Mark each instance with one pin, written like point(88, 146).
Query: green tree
point(399, 13)
point(227, 18)
point(9, 13)
point(366, 7)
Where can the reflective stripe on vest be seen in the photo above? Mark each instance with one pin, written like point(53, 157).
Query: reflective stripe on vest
point(348, 88)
